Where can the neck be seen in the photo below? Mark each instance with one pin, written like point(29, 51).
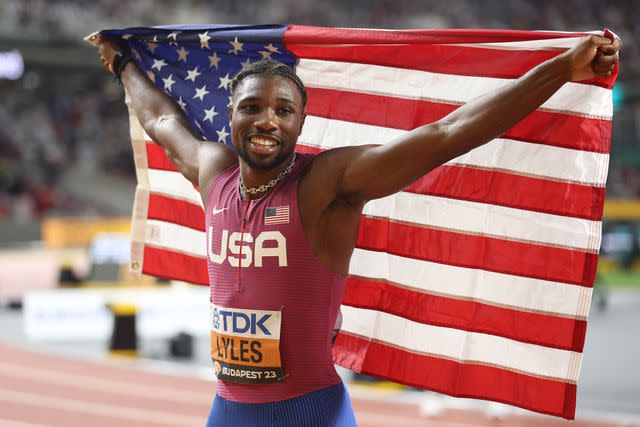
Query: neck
point(254, 177)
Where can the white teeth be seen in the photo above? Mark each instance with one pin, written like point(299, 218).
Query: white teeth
point(263, 142)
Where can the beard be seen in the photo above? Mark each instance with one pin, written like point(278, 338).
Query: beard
point(282, 157)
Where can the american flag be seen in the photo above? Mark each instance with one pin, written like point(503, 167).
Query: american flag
point(476, 280)
point(277, 215)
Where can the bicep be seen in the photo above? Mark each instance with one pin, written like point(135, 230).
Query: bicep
point(375, 171)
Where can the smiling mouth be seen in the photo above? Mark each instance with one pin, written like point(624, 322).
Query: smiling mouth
point(263, 142)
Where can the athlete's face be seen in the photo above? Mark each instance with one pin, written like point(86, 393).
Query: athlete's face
point(266, 119)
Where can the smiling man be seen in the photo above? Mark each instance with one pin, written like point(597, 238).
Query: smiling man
point(281, 227)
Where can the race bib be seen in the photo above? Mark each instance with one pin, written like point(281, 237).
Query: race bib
point(245, 345)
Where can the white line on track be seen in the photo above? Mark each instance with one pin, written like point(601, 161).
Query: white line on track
point(383, 420)
point(14, 423)
point(114, 411)
point(68, 379)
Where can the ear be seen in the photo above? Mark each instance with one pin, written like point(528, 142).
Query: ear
point(304, 117)
point(230, 112)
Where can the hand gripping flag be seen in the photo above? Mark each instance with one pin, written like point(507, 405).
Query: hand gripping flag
point(474, 281)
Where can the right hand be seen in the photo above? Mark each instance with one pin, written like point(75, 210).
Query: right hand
point(593, 57)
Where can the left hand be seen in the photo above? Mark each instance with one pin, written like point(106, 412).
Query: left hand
point(595, 56)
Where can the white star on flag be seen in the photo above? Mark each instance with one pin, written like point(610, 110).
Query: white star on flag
point(191, 75)
point(224, 82)
point(152, 47)
point(237, 46)
point(182, 104)
point(175, 40)
point(210, 114)
point(265, 54)
point(168, 82)
point(271, 48)
point(214, 60)
point(222, 134)
point(246, 64)
point(182, 54)
point(201, 92)
point(204, 39)
point(158, 64)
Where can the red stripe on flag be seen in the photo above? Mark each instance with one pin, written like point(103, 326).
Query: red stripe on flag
point(157, 158)
point(474, 251)
point(180, 212)
point(515, 191)
point(173, 265)
point(504, 189)
point(456, 60)
point(540, 127)
point(542, 395)
point(534, 328)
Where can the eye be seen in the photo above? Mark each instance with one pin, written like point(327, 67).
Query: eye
point(248, 107)
point(285, 111)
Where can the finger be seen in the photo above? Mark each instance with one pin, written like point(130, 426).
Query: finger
point(608, 49)
point(93, 38)
point(617, 45)
point(606, 60)
point(599, 40)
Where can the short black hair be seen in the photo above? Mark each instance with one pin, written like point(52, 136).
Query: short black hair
point(269, 67)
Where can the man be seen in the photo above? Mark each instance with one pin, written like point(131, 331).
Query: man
point(281, 227)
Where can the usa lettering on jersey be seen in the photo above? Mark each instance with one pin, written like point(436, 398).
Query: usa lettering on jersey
point(245, 345)
point(266, 244)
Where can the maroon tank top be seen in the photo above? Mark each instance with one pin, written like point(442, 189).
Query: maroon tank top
point(261, 269)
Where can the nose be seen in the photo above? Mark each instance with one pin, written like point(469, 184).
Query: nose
point(267, 121)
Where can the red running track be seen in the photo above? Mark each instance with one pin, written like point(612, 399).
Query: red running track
point(38, 390)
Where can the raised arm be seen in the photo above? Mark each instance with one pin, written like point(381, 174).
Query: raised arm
point(477, 122)
point(162, 119)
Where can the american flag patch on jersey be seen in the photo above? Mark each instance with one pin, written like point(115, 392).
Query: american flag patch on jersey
point(276, 215)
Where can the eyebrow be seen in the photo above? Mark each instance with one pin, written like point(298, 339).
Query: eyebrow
point(256, 98)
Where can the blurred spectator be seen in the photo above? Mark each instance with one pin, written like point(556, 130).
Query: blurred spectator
point(44, 130)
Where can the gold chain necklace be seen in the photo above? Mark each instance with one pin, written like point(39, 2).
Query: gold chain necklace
point(269, 185)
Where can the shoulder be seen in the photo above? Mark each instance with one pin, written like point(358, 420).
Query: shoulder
point(335, 160)
point(325, 174)
point(213, 159)
point(329, 167)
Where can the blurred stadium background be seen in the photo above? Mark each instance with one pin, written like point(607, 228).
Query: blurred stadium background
point(67, 181)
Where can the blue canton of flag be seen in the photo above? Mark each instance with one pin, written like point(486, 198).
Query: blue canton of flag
point(196, 68)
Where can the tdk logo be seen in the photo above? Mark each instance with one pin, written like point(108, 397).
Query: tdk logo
point(240, 323)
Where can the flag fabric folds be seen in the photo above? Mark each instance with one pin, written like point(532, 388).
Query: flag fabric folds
point(474, 281)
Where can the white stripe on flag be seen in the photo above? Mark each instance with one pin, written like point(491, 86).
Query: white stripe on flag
point(462, 346)
point(488, 220)
point(175, 237)
point(501, 154)
point(488, 287)
point(546, 44)
point(173, 184)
